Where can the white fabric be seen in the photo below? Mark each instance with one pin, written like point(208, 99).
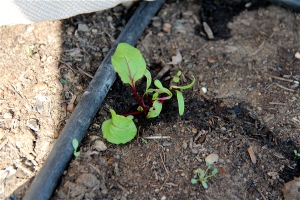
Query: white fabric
point(29, 11)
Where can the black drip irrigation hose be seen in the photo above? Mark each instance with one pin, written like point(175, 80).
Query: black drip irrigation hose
point(49, 175)
point(291, 4)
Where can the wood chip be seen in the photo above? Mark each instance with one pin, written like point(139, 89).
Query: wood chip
point(208, 31)
point(252, 155)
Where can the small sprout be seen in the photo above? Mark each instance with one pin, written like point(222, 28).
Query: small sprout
point(75, 146)
point(63, 81)
point(296, 154)
point(176, 78)
point(29, 49)
point(145, 141)
point(202, 174)
point(130, 65)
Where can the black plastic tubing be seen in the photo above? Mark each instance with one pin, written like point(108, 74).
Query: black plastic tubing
point(291, 4)
point(47, 178)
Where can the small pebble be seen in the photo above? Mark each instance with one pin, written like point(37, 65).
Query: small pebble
point(167, 27)
point(94, 30)
point(160, 34)
point(184, 145)
point(105, 49)
point(179, 28)
point(194, 130)
point(297, 55)
point(212, 158)
point(70, 30)
point(83, 27)
point(33, 124)
point(7, 116)
point(194, 151)
point(156, 23)
point(291, 189)
point(99, 145)
point(109, 18)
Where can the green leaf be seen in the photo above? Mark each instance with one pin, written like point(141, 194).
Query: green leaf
point(155, 96)
point(162, 89)
point(194, 181)
point(129, 63)
point(204, 184)
point(180, 101)
point(29, 49)
point(63, 81)
point(176, 79)
point(147, 74)
point(207, 164)
point(202, 174)
point(76, 153)
point(214, 172)
point(155, 110)
point(118, 129)
point(75, 144)
point(198, 171)
point(184, 87)
point(140, 108)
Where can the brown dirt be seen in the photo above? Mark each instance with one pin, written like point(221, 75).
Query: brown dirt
point(253, 103)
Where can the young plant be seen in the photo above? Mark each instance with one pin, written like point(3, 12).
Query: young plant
point(296, 154)
point(202, 177)
point(75, 146)
point(130, 65)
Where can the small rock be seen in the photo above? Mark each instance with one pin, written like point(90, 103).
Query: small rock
point(70, 30)
point(212, 158)
point(204, 90)
point(194, 151)
point(184, 145)
point(99, 145)
point(109, 18)
point(33, 124)
point(105, 49)
point(194, 130)
point(291, 189)
point(167, 27)
point(94, 30)
point(167, 144)
point(88, 180)
point(179, 28)
point(160, 34)
point(230, 49)
point(156, 23)
point(83, 27)
point(297, 55)
point(7, 116)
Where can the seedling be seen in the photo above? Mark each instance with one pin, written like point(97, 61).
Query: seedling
point(130, 65)
point(29, 49)
point(75, 146)
point(296, 154)
point(202, 175)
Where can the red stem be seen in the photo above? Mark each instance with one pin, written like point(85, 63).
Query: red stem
point(137, 96)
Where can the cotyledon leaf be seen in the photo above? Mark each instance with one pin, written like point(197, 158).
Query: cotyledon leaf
point(118, 129)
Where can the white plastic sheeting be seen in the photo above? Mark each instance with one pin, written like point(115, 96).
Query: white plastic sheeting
point(29, 11)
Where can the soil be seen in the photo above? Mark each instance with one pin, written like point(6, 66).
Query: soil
point(248, 120)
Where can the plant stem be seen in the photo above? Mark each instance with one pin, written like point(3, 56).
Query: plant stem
point(132, 113)
point(137, 96)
